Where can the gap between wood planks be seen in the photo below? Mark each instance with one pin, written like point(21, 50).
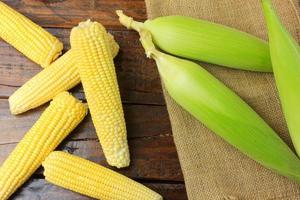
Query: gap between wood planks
point(97, 140)
point(141, 180)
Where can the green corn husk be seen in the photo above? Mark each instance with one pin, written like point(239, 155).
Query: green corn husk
point(206, 41)
point(285, 55)
point(222, 111)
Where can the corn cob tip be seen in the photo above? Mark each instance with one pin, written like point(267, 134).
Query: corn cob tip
point(115, 46)
point(120, 158)
point(14, 109)
point(128, 22)
point(86, 23)
point(64, 97)
point(54, 53)
point(50, 157)
point(85, 26)
point(80, 26)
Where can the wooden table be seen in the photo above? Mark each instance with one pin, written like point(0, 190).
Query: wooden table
point(154, 159)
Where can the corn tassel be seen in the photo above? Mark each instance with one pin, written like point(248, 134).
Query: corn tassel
point(206, 41)
point(222, 111)
point(27, 37)
point(285, 55)
point(60, 76)
point(98, 77)
point(88, 178)
point(57, 121)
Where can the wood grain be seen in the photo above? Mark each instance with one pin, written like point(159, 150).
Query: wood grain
point(151, 144)
point(68, 13)
point(37, 189)
point(151, 158)
point(141, 121)
point(154, 160)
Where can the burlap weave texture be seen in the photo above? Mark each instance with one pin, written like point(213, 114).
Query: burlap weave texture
point(212, 168)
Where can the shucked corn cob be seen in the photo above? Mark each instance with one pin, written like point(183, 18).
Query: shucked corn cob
point(27, 37)
point(57, 121)
point(60, 76)
point(93, 180)
point(222, 111)
point(285, 54)
point(206, 41)
point(98, 77)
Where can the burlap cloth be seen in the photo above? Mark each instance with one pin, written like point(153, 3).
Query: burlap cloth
point(212, 168)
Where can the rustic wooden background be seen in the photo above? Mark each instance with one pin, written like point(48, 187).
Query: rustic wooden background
point(154, 160)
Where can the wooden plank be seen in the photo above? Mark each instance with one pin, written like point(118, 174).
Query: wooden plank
point(141, 121)
point(153, 153)
point(128, 96)
point(151, 144)
point(152, 158)
point(40, 189)
point(174, 191)
point(138, 77)
point(62, 13)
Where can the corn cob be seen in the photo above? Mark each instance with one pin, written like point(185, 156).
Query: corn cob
point(206, 41)
point(222, 111)
point(29, 38)
point(57, 121)
point(60, 76)
point(98, 77)
point(285, 55)
point(88, 178)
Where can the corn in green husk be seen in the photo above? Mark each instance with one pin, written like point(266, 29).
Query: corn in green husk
point(285, 55)
point(206, 41)
point(222, 111)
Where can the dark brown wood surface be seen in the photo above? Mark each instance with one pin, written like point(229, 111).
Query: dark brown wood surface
point(154, 160)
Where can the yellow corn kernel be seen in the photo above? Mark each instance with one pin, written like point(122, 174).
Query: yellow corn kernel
point(88, 178)
point(113, 45)
point(60, 76)
point(57, 121)
point(27, 37)
point(98, 77)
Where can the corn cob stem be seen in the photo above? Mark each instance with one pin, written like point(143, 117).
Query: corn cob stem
point(88, 178)
point(60, 76)
point(205, 41)
point(98, 77)
point(27, 37)
point(57, 121)
point(128, 22)
point(222, 111)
